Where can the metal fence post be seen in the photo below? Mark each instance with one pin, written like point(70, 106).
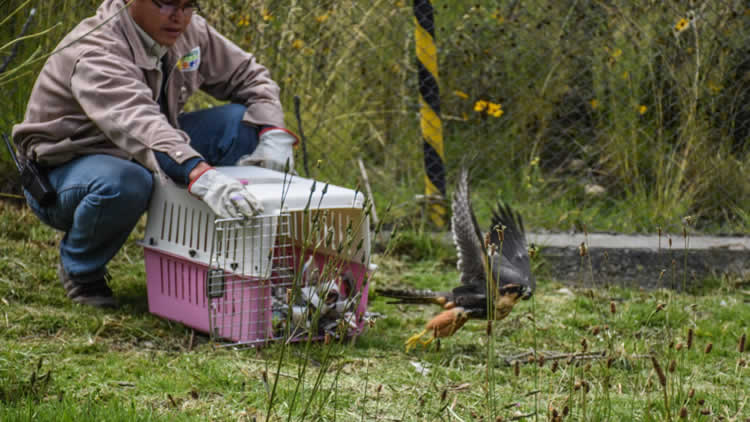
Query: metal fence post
point(429, 99)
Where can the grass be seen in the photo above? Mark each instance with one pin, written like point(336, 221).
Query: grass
point(570, 353)
point(594, 351)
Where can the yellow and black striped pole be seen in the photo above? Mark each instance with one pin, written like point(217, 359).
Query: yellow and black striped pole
point(429, 100)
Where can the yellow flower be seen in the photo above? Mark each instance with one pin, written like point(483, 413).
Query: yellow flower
point(617, 53)
point(495, 110)
point(267, 16)
point(244, 21)
point(594, 103)
point(625, 75)
point(322, 18)
point(535, 161)
point(681, 25)
point(642, 110)
point(298, 44)
point(461, 94)
point(480, 105)
point(715, 88)
point(498, 17)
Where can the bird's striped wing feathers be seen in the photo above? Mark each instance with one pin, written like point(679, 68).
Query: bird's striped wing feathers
point(467, 236)
point(515, 266)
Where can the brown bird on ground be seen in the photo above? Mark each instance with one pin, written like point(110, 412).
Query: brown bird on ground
point(495, 270)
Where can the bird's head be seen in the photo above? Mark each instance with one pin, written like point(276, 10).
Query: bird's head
point(523, 291)
point(527, 292)
point(514, 280)
point(504, 304)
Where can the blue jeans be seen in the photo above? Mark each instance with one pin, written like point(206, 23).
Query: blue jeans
point(100, 198)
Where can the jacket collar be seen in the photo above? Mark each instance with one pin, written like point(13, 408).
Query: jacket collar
point(153, 49)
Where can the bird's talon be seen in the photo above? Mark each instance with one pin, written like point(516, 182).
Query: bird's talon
point(411, 343)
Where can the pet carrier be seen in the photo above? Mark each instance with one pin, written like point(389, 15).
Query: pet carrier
point(297, 270)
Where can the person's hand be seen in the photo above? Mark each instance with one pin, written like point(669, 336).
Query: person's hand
point(275, 149)
point(225, 195)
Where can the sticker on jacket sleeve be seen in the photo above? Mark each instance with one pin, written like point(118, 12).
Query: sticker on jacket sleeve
point(190, 61)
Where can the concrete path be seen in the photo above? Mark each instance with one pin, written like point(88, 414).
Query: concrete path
point(652, 242)
point(642, 260)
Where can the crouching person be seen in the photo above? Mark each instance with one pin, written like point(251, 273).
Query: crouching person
point(104, 118)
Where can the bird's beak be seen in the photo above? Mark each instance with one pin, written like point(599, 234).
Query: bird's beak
point(527, 293)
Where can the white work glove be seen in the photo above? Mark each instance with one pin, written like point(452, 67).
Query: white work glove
point(275, 147)
point(225, 195)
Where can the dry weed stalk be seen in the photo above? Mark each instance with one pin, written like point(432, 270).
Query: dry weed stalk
point(741, 345)
point(659, 371)
point(663, 382)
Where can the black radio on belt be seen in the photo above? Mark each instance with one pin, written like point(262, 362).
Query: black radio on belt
point(32, 178)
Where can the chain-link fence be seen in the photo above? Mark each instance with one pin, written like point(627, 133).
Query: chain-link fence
point(608, 115)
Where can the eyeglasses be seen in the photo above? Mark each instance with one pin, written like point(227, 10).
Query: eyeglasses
point(171, 9)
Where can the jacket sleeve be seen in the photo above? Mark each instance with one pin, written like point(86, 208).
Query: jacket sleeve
point(111, 94)
point(231, 74)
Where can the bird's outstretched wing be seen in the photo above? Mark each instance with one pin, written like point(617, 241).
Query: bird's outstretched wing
point(467, 237)
point(514, 267)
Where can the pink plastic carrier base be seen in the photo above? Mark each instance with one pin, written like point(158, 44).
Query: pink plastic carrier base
point(242, 314)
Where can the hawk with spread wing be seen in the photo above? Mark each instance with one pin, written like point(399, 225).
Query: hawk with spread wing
point(495, 270)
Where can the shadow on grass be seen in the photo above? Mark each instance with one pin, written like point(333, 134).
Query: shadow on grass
point(133, 298)
point(61, 409)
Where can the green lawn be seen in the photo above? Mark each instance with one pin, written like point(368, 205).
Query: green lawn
point(60, 361)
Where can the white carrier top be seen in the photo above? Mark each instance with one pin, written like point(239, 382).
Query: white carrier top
point(182, 225)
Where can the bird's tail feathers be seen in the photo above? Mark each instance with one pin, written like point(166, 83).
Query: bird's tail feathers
point(411, 296)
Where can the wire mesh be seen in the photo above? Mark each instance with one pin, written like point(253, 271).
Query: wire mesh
point(251, 260)
point(603, 115)
point(259, 290)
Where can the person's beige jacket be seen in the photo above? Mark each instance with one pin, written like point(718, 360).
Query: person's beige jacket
point(99, 95)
